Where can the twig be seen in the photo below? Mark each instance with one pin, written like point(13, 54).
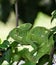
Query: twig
point(16, 10)
point(17, 63)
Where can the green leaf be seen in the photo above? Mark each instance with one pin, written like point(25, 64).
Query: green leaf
point(16, 57)
point(5, 44)
point(14, 44)
point(43, 60)
point(53, 15)
point(54, 38)
point(1, 60)
point(52, 31)
point(27, 55)
point(2, 56)
point(8, 55)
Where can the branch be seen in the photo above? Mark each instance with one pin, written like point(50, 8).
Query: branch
point(16, 10)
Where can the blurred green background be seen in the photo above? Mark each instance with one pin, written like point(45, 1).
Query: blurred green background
point(37, 12)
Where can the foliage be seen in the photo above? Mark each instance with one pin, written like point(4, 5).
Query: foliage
point(27, 9)
point(5, 9)
point(25, 35)
point(42, 40)
point(53, 15)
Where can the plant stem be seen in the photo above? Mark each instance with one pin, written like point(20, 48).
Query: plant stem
point(16, 10)
point(17, 63)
